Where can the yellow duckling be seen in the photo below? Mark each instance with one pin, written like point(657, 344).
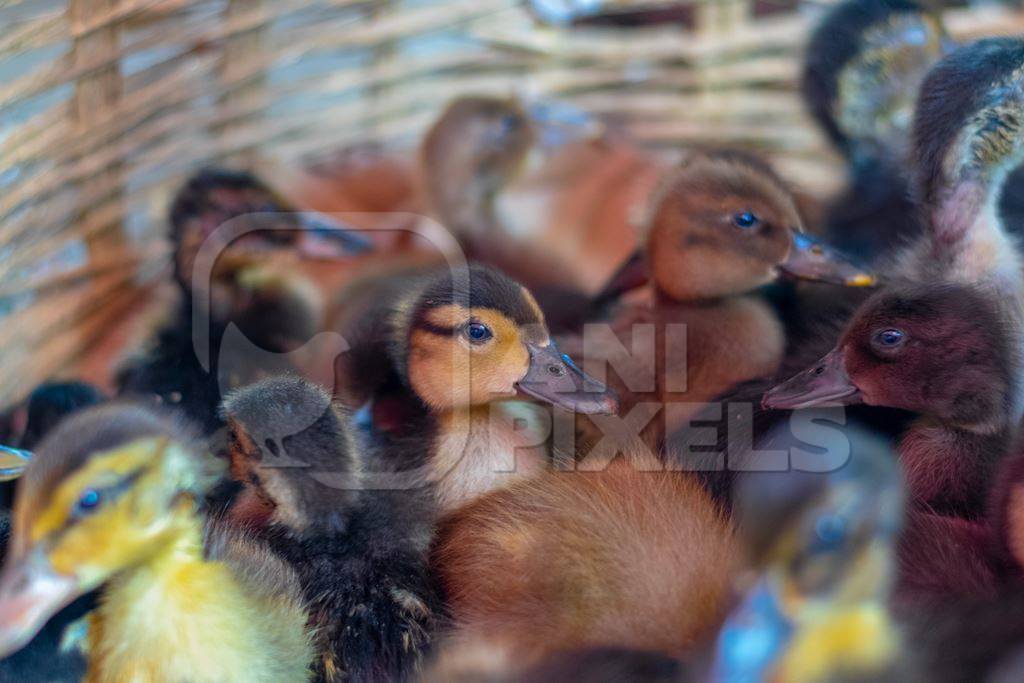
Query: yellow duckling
point(112, 500)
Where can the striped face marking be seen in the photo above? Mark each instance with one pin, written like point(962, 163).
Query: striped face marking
point(468, 356)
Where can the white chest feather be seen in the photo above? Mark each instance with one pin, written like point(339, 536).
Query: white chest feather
point(487, 448)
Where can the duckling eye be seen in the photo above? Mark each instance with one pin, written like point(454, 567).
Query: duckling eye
point(478, 333)
point(830, 531)
point(88, 502)
point(745, 220)
point(889, 339)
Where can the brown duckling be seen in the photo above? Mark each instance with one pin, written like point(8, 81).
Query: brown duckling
point(253, 285)
point(455, 349)
point(722, 225)
point(112, 499)
point(564, 560)
point(360, 554)
point(537, 190)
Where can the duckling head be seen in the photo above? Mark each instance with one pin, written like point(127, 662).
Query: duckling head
point(863, 67)
point(473, 335)
point(109, 489)
point(481, 144)
point(938, 350)
point(294, 450)
point(823, 545)
point(724, 223)
point(969, 132)
point(259, 227)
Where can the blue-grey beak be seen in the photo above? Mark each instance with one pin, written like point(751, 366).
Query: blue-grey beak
point(13, 462)
point(325, 238)
point(560, 123)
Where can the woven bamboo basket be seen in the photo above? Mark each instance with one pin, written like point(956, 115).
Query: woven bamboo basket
point(106, 105)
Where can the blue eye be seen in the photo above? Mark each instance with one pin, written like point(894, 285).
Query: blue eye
point(831, 531)
point(478, 333)
point(889, 338)
point(745, 220)
point(89, 501)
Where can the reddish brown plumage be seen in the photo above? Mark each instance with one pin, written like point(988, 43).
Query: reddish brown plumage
point(616, 558)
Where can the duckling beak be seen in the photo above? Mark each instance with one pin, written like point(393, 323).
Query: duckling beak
point(13, 462)
point(554, 378)
point(810, 259)
point(325, 239)
point(30, 593)
point(559, 124)
point(826, 383)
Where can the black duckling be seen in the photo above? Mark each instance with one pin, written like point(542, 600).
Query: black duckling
point(862, 69)
point(112, 500)
point(460, 349)
point(51, 402)
point(186, 363)
point(360, 554)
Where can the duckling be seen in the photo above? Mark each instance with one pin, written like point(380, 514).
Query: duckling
point(50, 403)
point(620, 558)
point(43, 658)
point(112, 500)
point(943, 556)
point(539, 191)
point(722, 225)
point(863, 66)
point(456, 348)
point(966, 140)
point(360, 554)
point(823, 543)
point(940, 351)
point(252, 284)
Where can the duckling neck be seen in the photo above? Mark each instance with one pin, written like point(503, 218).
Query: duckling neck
point(465, 209)
point(482, 448)
point(949, 468)
point(177, 612)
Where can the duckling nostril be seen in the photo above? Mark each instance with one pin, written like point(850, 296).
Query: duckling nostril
point(818, 370)
point(556, 370)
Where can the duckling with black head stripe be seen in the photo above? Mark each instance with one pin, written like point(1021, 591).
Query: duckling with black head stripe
point(113, 500)
point(468, 344)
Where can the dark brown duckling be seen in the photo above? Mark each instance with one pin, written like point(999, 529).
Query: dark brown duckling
point(937, 350)
point(360, 553)
point(251, 285)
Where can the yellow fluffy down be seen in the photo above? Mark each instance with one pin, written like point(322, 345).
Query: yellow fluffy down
point(564, 560)
point(183, 618)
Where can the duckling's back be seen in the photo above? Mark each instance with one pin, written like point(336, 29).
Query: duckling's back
point(615, 558)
